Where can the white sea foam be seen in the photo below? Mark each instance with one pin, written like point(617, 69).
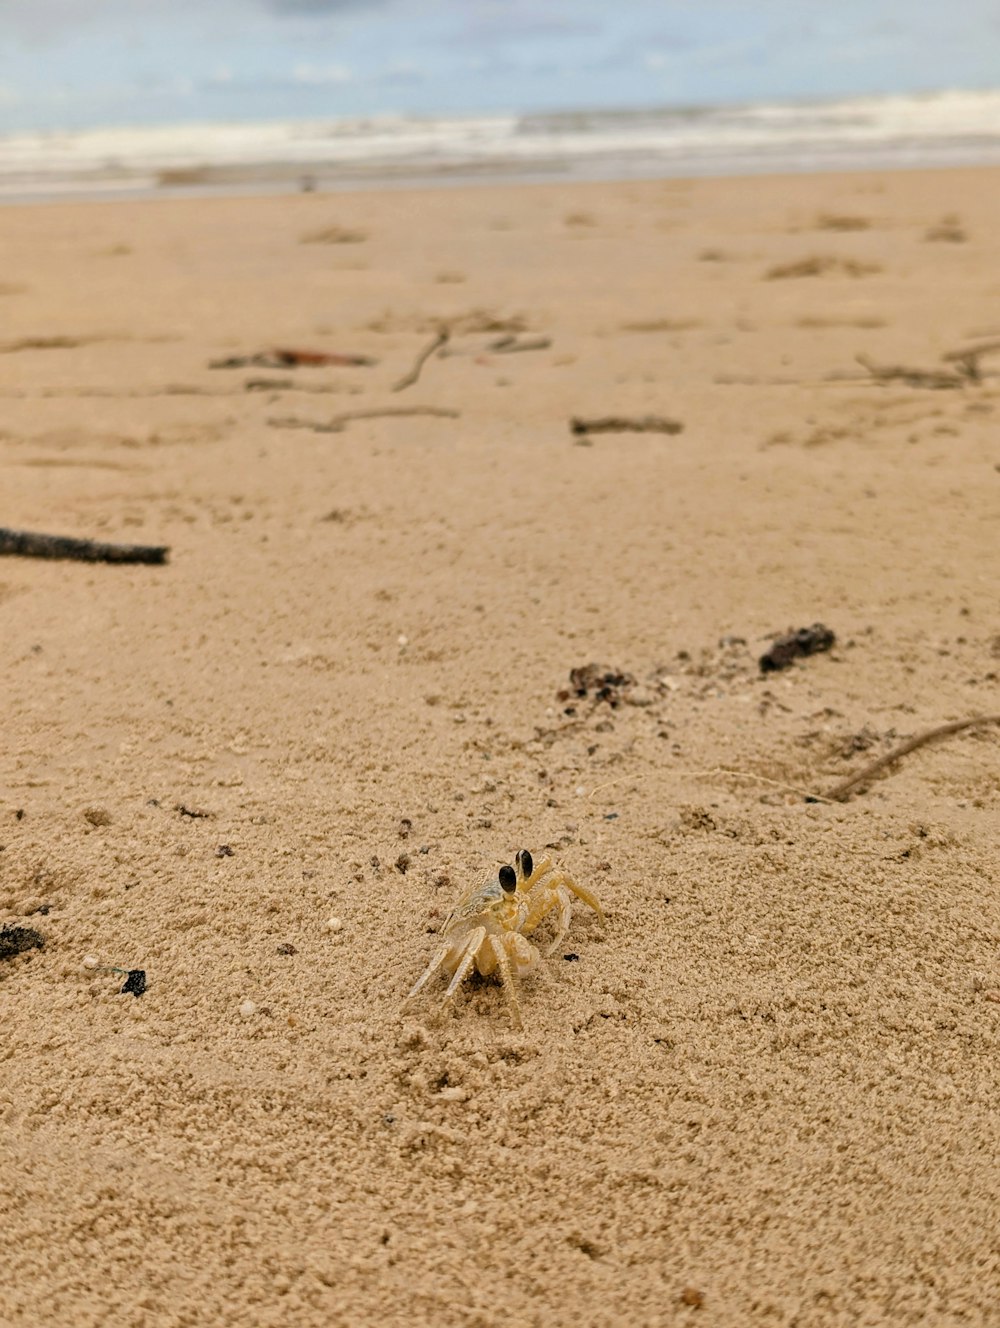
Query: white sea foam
point(947, 128)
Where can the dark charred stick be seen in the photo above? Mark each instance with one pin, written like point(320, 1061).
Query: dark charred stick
point(840, 791)
point(430, 349)
point(31, 544)
point(625, 424)
point(284, 357)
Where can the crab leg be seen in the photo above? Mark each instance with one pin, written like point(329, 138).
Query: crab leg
point(565, 903)
point(507, 977)
point(582, 893)
point(548, 889)
point(431, 969)
point(466, 960)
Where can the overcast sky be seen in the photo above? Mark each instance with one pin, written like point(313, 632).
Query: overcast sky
point(73, 63)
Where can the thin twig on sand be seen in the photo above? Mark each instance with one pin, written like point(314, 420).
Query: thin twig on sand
point(902, 373)
point(441, 339)
point(289, 385)
point(510, 344)
point(967, 359)
point(31, 544)
point(338, 423)
point(840, 791)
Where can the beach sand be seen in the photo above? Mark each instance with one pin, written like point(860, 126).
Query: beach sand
point(766, 1092)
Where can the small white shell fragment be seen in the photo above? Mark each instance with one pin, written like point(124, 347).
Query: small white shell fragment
point(90, 961)
point(402, 639)
point(247, 1009)
point(580, 790)
point(334, 924)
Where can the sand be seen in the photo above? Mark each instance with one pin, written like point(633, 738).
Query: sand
point(767, 1092)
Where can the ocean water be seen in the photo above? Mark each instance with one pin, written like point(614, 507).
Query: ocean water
point(939, 129)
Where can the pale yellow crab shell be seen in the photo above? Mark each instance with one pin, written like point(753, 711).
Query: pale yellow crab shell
point(490, 901)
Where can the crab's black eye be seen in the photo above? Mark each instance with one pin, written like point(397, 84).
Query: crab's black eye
point(508, 878)
point(524, 862)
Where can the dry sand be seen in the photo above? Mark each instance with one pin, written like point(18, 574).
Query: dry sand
point(767, 1093)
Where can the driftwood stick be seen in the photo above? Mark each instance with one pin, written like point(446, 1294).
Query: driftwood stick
point(34, 545)
point(441, 339)
point(840, 791)
point(338, 423)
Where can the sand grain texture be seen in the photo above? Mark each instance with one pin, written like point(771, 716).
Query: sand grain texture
point(767, 1093)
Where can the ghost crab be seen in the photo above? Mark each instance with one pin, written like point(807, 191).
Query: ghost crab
point(488, 928)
